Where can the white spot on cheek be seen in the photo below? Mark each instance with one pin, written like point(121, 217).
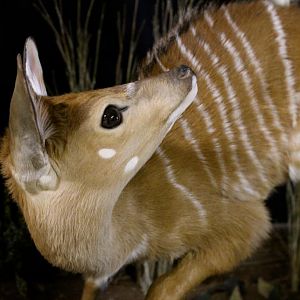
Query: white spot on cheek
point(107, 153)
point(131, 164)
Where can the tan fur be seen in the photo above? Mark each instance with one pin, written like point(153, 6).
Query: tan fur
point(95, 222)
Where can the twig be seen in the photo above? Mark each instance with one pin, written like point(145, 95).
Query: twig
point(75, 45)
point(121, 21)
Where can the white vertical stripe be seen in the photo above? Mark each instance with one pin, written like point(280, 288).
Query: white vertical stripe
point(241, 69)
point(189, 137)
point(238, 120)
point(217, 98)
point(205, 116)
point(213, 135)
point(282, 50)
point(235, 106)
point(259, 72)
point(215, 141)
point(172, 178)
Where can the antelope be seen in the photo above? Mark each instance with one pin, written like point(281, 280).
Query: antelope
point(176, 165)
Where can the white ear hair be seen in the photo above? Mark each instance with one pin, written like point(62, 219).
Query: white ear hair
point(30, 125)
point(33, 68)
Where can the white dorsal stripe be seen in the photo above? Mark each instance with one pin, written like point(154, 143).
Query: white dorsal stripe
point(172, 178)
point(259, 72)
point(231, 96)
point(282, 51)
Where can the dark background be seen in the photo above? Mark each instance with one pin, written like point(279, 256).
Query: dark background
point(19, 19)
point(21, 265)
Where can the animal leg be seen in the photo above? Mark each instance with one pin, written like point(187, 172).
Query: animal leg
point(223, 250)
point(92, 286)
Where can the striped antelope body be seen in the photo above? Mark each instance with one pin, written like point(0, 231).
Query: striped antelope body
point(200, 196)
point(238, 140)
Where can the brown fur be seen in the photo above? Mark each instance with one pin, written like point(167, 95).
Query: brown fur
point(151, 214)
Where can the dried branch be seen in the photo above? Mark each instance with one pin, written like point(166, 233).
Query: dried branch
point(75, 45)
point(130, 62)
point(121, 25)
point(167, 15)
point(134, 38)
point(97, 48)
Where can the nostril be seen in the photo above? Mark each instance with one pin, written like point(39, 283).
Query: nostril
point(183, 72)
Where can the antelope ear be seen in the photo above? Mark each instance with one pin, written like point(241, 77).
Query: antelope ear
point(33, 68)
point(30, 125)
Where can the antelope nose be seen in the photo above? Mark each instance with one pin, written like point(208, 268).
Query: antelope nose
point(184, 71)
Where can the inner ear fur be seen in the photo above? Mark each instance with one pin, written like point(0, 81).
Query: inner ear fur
point(30, 125)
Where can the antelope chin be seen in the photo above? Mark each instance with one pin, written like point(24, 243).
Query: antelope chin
point(185, 103)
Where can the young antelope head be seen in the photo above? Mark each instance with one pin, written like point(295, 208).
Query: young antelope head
point(101, 137)
point(69, 157)
point(125, 124)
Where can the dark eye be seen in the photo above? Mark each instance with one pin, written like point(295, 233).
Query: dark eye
point(112, 117)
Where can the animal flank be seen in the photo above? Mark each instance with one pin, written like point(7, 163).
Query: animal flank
point(234, 67)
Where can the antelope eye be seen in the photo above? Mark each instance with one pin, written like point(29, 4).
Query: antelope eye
point(112, 117)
